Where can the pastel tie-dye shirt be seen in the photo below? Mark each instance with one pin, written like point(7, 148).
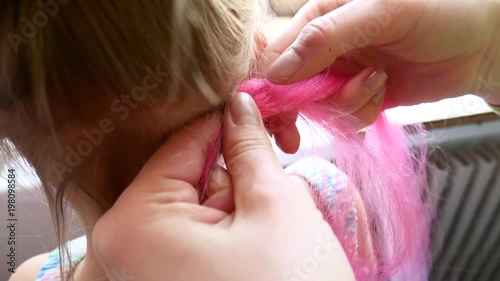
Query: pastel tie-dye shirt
point(333, 197)
point(50, 269)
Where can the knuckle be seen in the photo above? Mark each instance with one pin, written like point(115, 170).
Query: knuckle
point(263, 194)
point(240, 154)
point(175, 211)
point(164, 190)
point(177, 192)
point(314, 34)
point(248, 145)
point(317, 34)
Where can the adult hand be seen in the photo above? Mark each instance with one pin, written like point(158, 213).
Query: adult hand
point(258, 223)
point(429, 49)
point(361, 97)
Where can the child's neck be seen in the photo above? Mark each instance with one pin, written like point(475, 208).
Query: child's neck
point(89, 268)
point(109, 169)
point(99, 178)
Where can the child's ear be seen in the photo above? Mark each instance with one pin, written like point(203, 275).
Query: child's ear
point(260, 43)
point(262, 57)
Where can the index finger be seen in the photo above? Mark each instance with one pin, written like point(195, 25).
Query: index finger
point(311, 10)
point(337, 31)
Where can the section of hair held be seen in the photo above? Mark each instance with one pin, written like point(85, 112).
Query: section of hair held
point(387, 170)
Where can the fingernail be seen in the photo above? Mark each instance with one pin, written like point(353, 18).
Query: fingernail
point(285, 66)
point(374, 82)
point(379, 97)
point(244, 111)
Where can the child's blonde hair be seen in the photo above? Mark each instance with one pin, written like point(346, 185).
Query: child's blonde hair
point(201, 46)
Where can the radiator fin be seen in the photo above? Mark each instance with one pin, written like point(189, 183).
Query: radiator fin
point(465, 195)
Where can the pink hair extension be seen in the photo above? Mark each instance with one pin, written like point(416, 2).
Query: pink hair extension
point(387, 170)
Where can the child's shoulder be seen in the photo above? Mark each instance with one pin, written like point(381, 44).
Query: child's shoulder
point(29, 269)
point(46, 266)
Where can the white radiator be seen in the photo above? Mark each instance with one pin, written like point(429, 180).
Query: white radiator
point(465, 193)
point(464, 183)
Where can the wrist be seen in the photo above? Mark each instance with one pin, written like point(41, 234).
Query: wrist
point(488, 86)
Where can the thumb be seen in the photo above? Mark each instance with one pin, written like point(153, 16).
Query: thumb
point(248, 154)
